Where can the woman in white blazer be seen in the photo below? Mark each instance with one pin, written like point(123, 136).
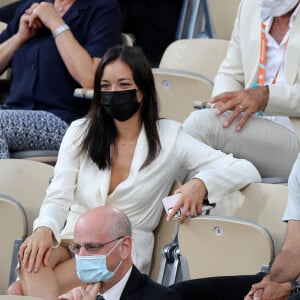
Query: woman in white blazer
point(249, 83)
point(121, 155)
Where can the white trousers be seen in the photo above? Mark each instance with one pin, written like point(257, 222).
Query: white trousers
point(270, 147)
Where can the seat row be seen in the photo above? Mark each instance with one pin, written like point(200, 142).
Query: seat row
point(239, 236)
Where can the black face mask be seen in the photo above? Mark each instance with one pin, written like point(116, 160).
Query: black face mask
point(120, 105)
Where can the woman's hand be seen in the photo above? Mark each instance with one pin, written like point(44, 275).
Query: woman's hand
point(80, 293)
point(36, 249)
point(245, 102)
point(192, 195)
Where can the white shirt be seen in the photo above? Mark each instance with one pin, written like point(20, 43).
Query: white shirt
point(276, 60)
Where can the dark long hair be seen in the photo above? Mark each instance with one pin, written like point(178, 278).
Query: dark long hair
point(101, 132)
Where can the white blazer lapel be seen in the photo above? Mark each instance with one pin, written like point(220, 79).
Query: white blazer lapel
point(293, 52)
point(140, 152)
point(252, 59)
point(104, 181)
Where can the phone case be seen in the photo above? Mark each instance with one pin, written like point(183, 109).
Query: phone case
point(170, 201)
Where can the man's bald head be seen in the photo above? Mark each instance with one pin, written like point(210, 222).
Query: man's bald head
point(105, 219)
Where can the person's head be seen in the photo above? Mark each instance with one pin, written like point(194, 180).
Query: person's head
point(126, 68)
point(102, 233)
point(124, 90)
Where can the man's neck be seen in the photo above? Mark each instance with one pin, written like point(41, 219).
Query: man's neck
point(120, 273)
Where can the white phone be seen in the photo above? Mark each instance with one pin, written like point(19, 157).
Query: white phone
point(170, 201)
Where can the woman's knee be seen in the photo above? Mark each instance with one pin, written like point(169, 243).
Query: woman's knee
point(15, 288)
point(59, 255)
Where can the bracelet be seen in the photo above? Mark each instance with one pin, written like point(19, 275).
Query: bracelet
point(60, 30)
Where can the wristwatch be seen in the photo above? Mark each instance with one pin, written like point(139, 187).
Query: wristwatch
point(295, 287)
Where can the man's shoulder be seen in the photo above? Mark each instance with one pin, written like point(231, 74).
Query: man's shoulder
point(142, 287)
point(158, 291)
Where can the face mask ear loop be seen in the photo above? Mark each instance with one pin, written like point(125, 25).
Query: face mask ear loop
point(118, 266)
point(113, 248)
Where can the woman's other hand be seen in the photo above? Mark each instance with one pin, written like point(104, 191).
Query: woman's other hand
point(192, 195)
point(36, 249)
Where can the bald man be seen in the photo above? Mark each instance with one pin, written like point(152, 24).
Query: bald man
point(102, 247)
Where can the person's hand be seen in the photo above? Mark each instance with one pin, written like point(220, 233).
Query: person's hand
point(46, 14)
point(36, 249)
point(28, 25)
point(245, 102)
point(80, 293)
point(267, 289)
point(192, 195)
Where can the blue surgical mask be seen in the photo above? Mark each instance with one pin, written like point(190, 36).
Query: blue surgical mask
point(91, 269)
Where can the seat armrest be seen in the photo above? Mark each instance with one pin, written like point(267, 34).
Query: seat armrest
point(14, 261)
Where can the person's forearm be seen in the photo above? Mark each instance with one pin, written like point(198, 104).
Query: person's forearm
point(77, 60)
point(285, 268)
point(7, 50)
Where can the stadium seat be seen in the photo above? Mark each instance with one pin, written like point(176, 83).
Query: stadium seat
point(163, 234)
point(216, 246)
point(207, 19)
point(13, 226)
point(43, 156)
point(222, 16)
point(194, 20)
point(128, 39)
point(262, 203)
point(26, 181)
point(2, 26)
point(202, 56)
point(178, 90)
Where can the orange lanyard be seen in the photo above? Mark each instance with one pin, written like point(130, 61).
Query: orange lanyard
point(263, 57)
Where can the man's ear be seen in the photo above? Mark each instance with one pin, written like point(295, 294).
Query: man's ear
point(126, 246)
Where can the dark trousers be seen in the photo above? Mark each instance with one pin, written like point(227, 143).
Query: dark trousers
point(220, 288)
point(217, 288)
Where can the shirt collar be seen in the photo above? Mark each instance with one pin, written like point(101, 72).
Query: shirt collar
point(268, 21)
